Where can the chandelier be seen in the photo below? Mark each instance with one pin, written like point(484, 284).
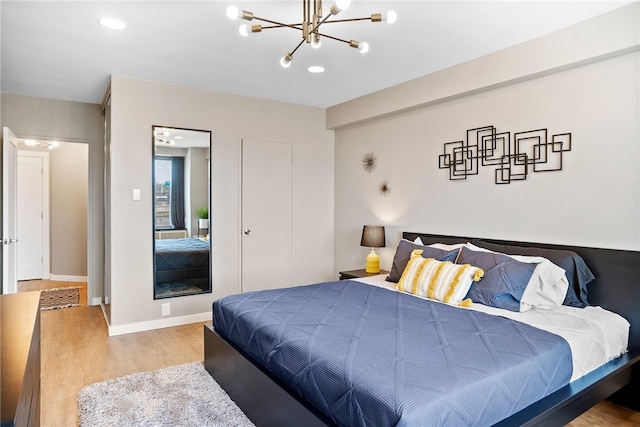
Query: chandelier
point(310, 27)
point(162, 137)
point(49, 145)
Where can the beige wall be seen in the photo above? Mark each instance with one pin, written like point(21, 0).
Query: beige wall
point(593, 201)
point(68, 168)
point(196, 165)
point(74, 122)
point(137, 105)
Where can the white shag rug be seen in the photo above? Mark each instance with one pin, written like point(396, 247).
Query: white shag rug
point(184, 395)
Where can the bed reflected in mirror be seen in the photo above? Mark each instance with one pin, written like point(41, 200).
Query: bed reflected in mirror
point(182, 229)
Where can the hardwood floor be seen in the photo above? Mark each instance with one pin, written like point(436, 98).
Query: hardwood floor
point(77, 351)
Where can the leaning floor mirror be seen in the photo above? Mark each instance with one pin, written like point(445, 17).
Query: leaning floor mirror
point(182, 229)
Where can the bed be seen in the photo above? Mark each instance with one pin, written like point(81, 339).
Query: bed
point(277, 385)
point(183, 260)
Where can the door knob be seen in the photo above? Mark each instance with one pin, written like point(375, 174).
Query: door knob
point(247, 231)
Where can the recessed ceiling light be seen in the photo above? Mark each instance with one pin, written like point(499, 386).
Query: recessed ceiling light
point(111, 23)
point(316, 69)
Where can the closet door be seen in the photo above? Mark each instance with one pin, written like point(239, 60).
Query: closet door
point(267, 188)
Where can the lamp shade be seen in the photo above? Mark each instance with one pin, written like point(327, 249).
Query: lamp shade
point(373, 236)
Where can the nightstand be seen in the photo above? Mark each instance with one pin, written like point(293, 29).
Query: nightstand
point(355, 274)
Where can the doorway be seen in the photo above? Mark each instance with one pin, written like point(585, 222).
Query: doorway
point(62, 242)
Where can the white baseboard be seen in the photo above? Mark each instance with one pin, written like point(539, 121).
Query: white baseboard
point(96, 301)
point(158, 324)
point(60, 278)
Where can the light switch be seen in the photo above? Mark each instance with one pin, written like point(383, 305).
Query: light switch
point(136, 194)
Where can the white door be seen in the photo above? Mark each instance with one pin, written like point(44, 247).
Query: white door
point(267, 188)
point(9, 224)
point(33, 204)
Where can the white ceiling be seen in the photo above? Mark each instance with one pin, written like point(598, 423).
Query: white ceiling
point(57, 50)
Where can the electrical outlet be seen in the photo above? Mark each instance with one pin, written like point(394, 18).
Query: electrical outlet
point(166, 309)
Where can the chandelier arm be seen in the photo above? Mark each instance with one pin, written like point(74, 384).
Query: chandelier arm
point(334, 38)
point(322, 21)
point(297, 47)
point(368, 18)
point(326, 21)
point(281, 24)
point(293, 26)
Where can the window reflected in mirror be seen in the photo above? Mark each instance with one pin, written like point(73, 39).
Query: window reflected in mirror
point(181, 206)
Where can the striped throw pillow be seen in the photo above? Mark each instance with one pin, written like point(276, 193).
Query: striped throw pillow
point(439, 280)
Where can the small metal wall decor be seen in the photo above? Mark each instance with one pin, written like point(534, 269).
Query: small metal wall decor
point(384, 188)
point(514, 156)
point(369, 162)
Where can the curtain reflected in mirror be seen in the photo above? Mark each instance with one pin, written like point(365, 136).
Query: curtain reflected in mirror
point(181, 204)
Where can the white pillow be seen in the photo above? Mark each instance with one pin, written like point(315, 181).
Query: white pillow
point(442, 246)
point(548, 284)
point(446, 247)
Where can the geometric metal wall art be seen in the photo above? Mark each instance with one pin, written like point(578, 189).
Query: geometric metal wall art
point(515, 156)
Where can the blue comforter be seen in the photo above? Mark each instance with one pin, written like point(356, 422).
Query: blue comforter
point(181, 253)
point(365, 355)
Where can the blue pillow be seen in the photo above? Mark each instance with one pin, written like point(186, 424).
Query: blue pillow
point(403, 253)
point(504, 280)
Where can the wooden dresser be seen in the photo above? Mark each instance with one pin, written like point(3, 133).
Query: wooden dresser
point(20, 359)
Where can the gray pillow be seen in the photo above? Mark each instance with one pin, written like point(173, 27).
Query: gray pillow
point(403, 253)
point(504, 280)
point(578, 274)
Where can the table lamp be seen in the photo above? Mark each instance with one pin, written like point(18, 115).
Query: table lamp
point(373, 237)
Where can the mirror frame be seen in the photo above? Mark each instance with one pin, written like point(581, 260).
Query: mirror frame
point(189, 213)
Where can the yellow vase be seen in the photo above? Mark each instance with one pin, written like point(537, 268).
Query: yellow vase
point(373, 262)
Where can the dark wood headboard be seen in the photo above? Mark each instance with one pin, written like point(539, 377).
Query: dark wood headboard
point(617, 275)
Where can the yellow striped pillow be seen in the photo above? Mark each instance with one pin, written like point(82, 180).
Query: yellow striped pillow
point(439, 280)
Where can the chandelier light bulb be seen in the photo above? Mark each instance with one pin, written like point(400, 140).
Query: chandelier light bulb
point(50, 145)
point(285, 61)
point(343, 4)
point(233, 12)
point(243, 30)
point(363, 47)
point(316, 42)
point(390, 17)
